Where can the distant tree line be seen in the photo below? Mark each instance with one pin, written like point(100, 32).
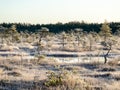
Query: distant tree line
point(59, 27)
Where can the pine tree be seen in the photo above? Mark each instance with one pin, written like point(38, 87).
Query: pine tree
point(107, 43)
point(105, 30)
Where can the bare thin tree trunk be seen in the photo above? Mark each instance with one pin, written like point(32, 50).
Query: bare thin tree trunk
point(106, 55)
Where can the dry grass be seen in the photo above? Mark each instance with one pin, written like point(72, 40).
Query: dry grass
point(113, 85)
point(75, 82)
point(1, 71)
point(22, 75)
point(90, 76)
point(114, 62)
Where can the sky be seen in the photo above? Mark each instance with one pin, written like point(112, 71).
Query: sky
point(53, 11)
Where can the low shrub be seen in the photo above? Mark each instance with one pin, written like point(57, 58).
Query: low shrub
point(66, 81)
point(54, 80)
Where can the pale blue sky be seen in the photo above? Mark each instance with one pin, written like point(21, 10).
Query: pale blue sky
point(53, 11)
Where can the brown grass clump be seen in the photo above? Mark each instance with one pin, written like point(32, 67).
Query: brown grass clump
point(43, 60)
point(1, 71)
point(94, 83)
point(114, 85)
point(74, 82)
point(113, 62)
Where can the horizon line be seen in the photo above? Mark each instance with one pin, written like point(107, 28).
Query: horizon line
point(59, 22)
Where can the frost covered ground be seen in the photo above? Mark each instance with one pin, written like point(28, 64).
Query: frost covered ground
point(20, 69)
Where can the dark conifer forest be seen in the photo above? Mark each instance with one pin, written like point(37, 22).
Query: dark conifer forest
point(59, 27)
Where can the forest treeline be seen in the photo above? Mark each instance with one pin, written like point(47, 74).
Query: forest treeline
point(59, 27)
